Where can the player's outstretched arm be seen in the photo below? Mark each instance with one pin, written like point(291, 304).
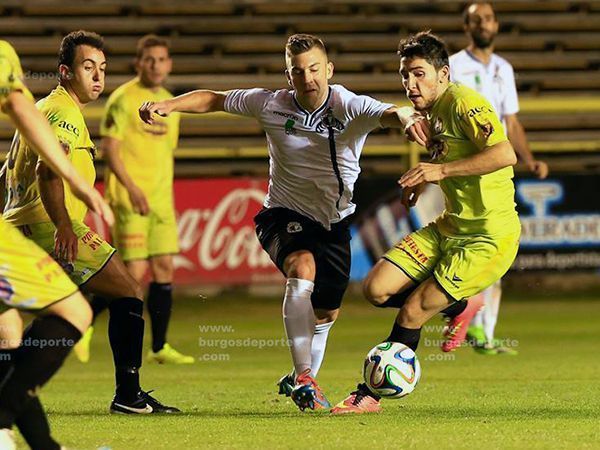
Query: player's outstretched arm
point(488, 160)
point(110, 150)
point(517, 137)
point(35, 129)
point(415, 126)
point(200, 101)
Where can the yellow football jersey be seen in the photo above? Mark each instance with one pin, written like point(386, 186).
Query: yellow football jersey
point(24, 205)
point(146, 150)
point(463, 123)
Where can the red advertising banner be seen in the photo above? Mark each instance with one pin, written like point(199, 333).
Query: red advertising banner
point(217, 241)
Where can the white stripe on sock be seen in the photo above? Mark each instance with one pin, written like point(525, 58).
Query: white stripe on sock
point(319, 344)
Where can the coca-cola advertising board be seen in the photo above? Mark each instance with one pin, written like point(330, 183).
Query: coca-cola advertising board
point(215, 224)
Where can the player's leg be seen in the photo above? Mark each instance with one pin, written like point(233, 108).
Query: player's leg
point(33, 281)
point(159, 304)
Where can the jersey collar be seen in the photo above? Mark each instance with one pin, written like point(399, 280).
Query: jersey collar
point(309, 118)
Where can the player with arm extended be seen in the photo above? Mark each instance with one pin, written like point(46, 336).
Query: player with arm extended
point(139, 187)
point(315, 134)
point(33, 282)
point(48, 213)
point(475, 240)
point(478, 67)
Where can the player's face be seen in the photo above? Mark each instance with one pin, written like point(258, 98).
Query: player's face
point(154, 66)
point(482, 27)
point(86, 77)
point(308, 73)
point(422, 82)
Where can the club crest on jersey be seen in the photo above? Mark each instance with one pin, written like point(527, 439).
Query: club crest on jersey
point(329, 121)
point(487, 128)
point(438, 148)
point(294, 227)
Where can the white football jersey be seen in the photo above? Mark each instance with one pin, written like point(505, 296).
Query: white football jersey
point(495, 81)
point(314, 156)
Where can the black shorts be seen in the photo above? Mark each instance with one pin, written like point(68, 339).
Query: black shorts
point(282, 231)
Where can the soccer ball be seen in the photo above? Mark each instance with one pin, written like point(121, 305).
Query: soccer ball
point(391, 370)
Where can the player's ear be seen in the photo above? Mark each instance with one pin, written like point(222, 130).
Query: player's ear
point(329, 70)
point(444, 74)
point(65, 72)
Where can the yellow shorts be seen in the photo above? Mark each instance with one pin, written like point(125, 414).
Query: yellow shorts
point(93, 252)
point(462, 266)
point(30, 279)
point(142, 237)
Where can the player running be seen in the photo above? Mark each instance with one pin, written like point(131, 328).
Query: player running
point(478, 67)
point(315, 135)
point(139, 187)
point(32, 281)
point(475, 240)
point(47, 212)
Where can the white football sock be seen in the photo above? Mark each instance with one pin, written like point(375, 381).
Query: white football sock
point(318, 346)
point(490, 310)
point(478, 319)
point(299, 321)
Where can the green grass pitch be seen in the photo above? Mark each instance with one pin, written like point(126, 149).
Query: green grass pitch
point(546, 397)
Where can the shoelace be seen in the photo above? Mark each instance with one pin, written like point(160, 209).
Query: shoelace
point(359, 394)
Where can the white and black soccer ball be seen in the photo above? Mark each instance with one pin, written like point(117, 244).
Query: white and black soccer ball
point(391, 370)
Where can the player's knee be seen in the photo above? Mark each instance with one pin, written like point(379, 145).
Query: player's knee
point(74, 309)
point(373, 292)
point(301, 265)
point(162, 269)
point(326, 316)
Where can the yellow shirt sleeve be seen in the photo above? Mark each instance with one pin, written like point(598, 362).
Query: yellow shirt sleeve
point(479, 121)
point(10, 72)
point(116, 118)
point(67, 128)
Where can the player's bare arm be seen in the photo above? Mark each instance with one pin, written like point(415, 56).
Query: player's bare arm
point(110, 150)
point(488, 160)
point(200, 101)
point(516, 135)
point(53, 198)
point(36, 130)
point(414, 124)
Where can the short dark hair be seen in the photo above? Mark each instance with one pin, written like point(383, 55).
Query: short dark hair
point(466, 10)
point(151, 40)
point(301, 43)
point(68, 45)
point(425, 45)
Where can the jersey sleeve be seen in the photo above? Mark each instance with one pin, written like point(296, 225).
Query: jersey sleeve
point(115, 119)
point(10, 73)
point(479, 122)
point(511, 98)
point(367, 110)
point(246, 102)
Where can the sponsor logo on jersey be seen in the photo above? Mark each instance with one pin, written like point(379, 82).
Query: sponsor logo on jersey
point(287, 115)
point(478, 110)
point(69, 127)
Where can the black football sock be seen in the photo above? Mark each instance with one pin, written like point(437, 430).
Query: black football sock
point(46, 344)
point(33, 425)
point(160, 299)
point(398, 300)
point(98, 304)
point(126, 335)
point(455, 309)
point(407, 336)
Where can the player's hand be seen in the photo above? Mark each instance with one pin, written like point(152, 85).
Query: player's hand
point(148, 109)
point(419, 131)
point(65, 244)
point(138, 201)
point(539, 169)
point(422, 172)
point(411, 194)
point(92, 199)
